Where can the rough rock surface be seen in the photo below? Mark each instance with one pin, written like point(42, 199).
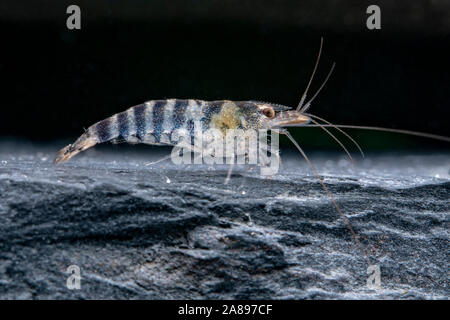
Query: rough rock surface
point(167, 232)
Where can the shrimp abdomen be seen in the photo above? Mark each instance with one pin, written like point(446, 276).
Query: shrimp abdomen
point(152, 122)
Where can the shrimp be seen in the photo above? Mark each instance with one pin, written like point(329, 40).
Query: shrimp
point(155, 122)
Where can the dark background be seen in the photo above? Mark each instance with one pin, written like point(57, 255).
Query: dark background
point(55, 81)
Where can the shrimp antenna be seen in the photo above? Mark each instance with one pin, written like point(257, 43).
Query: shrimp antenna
point(407, 132)
point(338, 129)
point(335, 139)
point(308, 104)
point(300, 104)
point(347, 222)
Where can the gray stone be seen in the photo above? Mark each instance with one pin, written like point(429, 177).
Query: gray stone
point(168, 232)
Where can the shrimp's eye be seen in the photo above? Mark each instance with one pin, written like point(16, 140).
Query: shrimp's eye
point(269, 112)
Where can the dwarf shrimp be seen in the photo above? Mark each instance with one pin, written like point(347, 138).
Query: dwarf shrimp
point(155, 122)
